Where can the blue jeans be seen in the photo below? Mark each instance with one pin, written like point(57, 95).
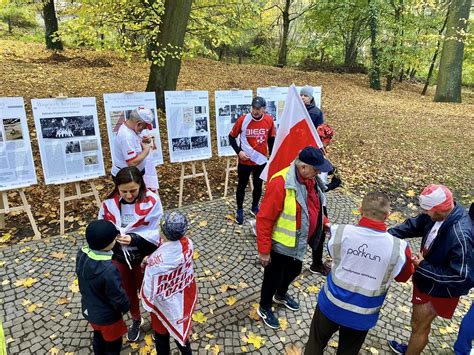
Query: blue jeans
point(463, 344)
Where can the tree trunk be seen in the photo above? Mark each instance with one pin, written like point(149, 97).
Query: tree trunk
point(51, 26)
point(164, 76)
point(350, 51)
point(283, 51)
point(374, 72)
point(448, 87)
point(435, 55)
point(10, 26)
point(398, 13)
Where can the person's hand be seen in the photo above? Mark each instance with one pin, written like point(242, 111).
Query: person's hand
point(417, 259)
point(124, 239)
point(145, 146)
point(243, 155)
point(147, 139)
point(144, 261)
point(265, 259)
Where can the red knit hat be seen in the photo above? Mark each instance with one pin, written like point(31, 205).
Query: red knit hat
point(436, 198)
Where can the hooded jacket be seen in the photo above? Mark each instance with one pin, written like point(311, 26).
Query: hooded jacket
point(447, 268)
point(315, 114)
point(103, 298)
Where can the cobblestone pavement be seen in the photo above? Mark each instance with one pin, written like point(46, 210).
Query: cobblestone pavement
point(46, 317)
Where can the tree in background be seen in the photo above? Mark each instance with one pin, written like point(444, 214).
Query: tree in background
point(448, 87)
point(17, 14)
point(374, 71)
point(289, 11)
point(52, 39)
point(165, 50)
point(218, 28)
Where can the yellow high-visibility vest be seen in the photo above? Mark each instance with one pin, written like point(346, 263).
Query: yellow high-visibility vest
point(284, 231)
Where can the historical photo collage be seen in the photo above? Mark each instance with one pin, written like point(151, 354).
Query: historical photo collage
point(76, 134)
point(193, 130)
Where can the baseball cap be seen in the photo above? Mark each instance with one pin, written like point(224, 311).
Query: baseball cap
point(436, 198)
point(314, 157)
point(146, 115)
point(259, 102)
point(174, 225)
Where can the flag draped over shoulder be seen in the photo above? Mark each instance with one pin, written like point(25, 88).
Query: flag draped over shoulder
point(169, 288)
point(295, 132)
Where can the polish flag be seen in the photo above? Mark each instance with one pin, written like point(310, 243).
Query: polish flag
point(295, 132)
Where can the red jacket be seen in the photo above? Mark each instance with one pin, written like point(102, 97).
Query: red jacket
point(272, 206)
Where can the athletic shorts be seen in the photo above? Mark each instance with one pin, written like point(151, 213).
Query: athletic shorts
point(444, 307)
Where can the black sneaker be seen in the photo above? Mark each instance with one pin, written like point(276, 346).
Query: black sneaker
point(287, 301)
point(239, 217)
point(254, 210)
point(268, 317)
point(134, 330)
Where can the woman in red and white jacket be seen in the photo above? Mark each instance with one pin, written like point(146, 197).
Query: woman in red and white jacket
point(136, 213)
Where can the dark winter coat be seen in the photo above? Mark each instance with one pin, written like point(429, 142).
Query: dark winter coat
point(103, 298)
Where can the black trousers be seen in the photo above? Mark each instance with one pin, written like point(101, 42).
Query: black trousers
point(318, 252)
point(103, 347)
point(277, 277)
point(162, 344)
point(243, 174)
point(322, 328)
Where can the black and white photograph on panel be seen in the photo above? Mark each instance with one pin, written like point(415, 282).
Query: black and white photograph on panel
point(181, 144)
point(66, 127)
point(91, 160)
point(1, 136)
point(12, 127)
point(238, 110)
point(224, 140)
point(224, 110)
point(271, 109)
point(199, 142)
point(89, 145)
point(73, 147)
point(201, 124)
point(199, 110)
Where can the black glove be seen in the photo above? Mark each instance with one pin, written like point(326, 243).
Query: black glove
point(335, 183)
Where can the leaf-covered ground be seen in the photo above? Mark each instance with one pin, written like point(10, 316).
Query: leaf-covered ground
point(395, 141)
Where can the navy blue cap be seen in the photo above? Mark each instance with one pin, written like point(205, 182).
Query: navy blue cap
point(314, 157)
point(259, 102)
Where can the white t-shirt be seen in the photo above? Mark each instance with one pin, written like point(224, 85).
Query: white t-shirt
point(127, 146)
point(431, 236)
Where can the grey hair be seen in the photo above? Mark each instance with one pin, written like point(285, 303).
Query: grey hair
point(134, 116)
point(298, 162)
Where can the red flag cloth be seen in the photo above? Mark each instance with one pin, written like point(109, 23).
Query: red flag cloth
point(295, 132)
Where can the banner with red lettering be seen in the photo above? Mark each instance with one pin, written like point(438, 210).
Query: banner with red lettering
point(169, 288)
point(295, 132)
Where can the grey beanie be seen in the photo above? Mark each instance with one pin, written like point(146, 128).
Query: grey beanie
point(307, 90)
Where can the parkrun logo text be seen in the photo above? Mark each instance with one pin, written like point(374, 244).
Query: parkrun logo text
point(361, 252)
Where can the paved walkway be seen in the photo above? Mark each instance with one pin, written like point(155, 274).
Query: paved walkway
point(45, 317)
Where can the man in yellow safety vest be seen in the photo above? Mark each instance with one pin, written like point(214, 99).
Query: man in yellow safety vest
point(290, 215)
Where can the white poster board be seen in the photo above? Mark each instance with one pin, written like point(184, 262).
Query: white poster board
point(117, 109)
point(17, 168)
point(68, 138)
point(230, 105)
point(187, 121)
point(275, 97)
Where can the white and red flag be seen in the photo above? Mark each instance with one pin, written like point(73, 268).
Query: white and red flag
point(295, 132)
point(169, 288)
